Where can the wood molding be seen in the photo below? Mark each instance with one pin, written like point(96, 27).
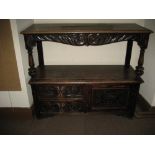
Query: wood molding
point(144, 109)
point(16, 113)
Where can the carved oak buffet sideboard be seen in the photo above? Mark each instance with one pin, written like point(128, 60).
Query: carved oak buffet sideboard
point(85, 88)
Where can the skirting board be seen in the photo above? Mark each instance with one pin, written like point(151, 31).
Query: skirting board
point(16, 113)
point(144, 109)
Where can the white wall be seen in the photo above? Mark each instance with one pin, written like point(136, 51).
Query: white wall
point(21, 98)
point(148, 88)
point(21, 25)
point(5, 99)
point(139, 21)
point(18, 98)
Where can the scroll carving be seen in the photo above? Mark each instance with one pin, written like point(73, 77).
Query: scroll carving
point(87, 39)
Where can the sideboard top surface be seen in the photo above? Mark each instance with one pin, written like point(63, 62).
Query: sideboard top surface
point(85, 28)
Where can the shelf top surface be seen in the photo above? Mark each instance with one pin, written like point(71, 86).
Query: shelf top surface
point(85, 28)
point(84, 74)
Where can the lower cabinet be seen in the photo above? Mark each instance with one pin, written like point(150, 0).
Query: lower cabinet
point(54, 99)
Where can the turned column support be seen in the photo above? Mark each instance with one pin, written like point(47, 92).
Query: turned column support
point(29, 44)
point(140, 68)
point(143, 43)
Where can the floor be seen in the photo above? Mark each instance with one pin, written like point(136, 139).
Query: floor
point(79, 124)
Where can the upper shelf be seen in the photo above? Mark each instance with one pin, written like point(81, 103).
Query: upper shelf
point(85, 28)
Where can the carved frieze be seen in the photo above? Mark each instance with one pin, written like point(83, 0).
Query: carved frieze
point(88, 39)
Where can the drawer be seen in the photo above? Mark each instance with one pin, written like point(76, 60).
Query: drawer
point(46, 91)
point(110, 98)
point(60, 91)
point(47, 107)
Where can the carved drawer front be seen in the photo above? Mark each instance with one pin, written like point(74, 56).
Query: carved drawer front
point(110, 98)
point(73, 91)
point(76, 106)
point(60, 91)
point(51, 107)
point(48, 107)
point(47, 91)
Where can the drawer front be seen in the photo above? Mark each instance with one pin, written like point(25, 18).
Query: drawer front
point(50, 107)
point(110, 98)
point(60, 91)
point(47, 91)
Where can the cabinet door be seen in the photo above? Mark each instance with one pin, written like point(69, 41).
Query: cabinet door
point(110, 98)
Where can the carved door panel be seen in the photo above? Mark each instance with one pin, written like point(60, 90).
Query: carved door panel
point(110, 98)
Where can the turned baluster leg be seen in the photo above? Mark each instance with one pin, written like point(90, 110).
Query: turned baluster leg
point(32, 69)
point(143, 43)
point(29, 43)
point(140, 68)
